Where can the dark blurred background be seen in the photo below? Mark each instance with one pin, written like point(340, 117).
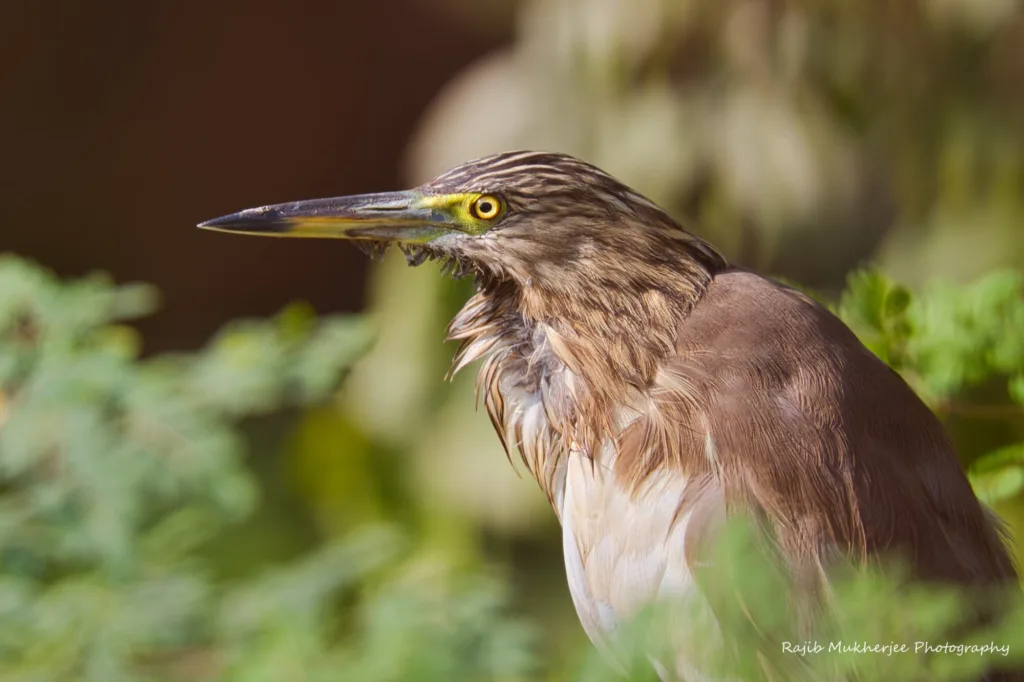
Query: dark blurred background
point(803, 137)
point(125, 123)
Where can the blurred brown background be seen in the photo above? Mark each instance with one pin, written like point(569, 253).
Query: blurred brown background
point(126, 123)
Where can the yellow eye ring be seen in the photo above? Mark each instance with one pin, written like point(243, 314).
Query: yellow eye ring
point(485, 207)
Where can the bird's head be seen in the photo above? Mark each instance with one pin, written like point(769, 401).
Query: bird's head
point(524, 216)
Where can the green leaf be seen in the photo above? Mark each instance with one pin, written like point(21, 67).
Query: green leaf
point(998, 485)
point(999, 475)
point(1005, 456)
point(876, 308)
point(1016, 388)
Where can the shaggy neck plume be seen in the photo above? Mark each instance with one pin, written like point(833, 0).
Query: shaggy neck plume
point(587, 340)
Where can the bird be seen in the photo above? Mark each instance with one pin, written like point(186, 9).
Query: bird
point(654, 390)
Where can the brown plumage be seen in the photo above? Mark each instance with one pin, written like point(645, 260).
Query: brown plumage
point(653, 390)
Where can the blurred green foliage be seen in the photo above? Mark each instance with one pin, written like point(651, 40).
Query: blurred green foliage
point(118, 473)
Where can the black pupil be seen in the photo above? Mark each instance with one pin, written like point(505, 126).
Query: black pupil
point(484, 207)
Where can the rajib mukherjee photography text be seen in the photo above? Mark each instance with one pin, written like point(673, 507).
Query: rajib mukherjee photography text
point(922, 648)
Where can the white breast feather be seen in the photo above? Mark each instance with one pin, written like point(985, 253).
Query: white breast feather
point(623, 549)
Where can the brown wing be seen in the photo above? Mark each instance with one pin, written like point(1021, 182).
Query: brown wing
point(810, 430)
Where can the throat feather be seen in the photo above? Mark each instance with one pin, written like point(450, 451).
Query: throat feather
point(564, 372)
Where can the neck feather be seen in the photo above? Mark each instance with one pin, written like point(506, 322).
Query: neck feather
point(582, 343)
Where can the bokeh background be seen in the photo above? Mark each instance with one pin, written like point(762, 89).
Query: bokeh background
point(805, 138)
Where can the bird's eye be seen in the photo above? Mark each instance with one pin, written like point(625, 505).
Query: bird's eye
point(485, 207)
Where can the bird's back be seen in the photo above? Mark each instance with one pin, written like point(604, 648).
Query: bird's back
point(813, 431)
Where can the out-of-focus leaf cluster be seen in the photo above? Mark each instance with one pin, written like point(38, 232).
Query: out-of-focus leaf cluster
point(946, 338)
point(73, 388)
point(116, 471)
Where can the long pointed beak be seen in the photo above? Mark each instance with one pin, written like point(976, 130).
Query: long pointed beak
point(388, 216)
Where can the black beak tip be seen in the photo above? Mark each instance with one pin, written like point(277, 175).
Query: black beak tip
point(223, 222)
point(249, 220)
